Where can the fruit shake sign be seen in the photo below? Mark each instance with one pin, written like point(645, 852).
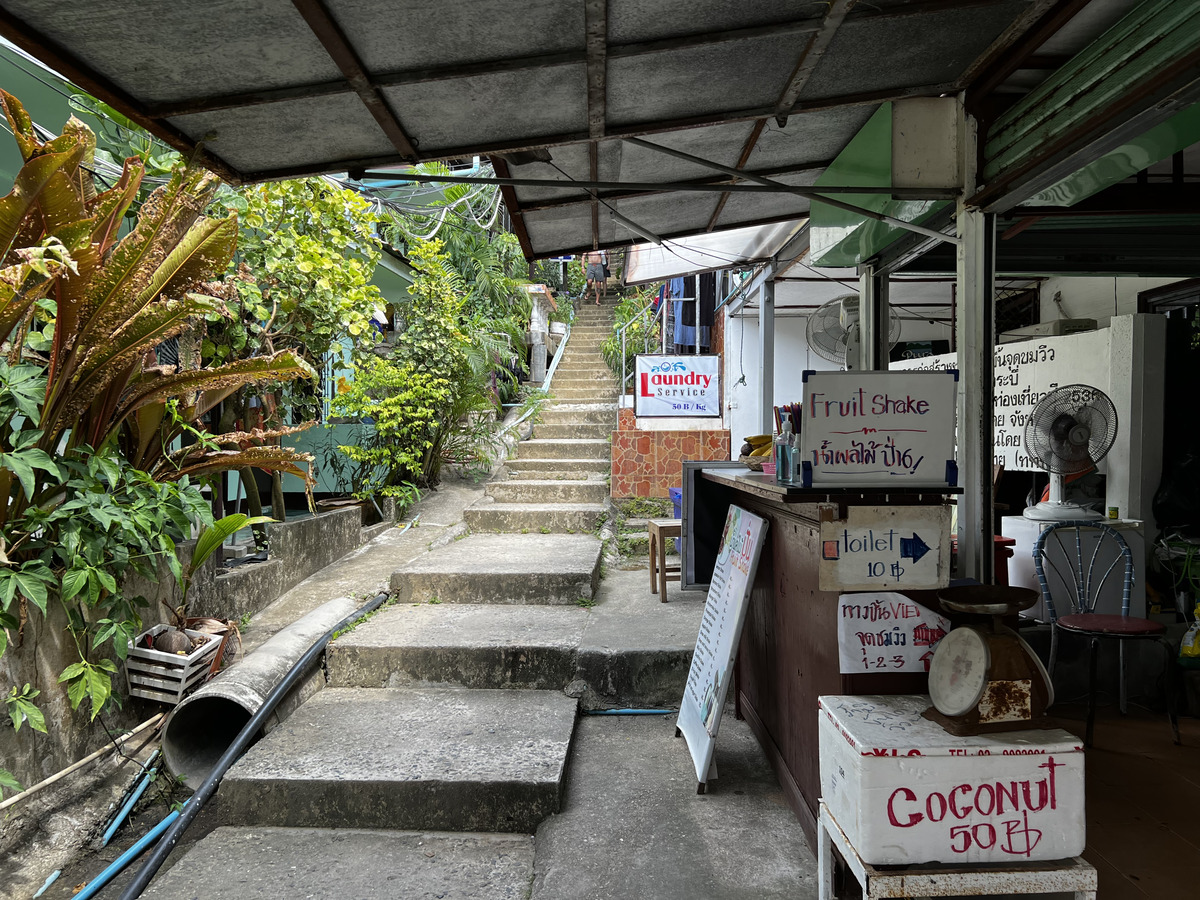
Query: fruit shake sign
point(678, 386)
point(878, 428)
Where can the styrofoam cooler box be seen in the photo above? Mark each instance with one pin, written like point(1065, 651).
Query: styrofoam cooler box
point(905, 791)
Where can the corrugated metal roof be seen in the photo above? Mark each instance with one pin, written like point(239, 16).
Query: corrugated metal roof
point(279, 88)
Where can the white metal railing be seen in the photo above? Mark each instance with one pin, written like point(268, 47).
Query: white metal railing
point(638, 317)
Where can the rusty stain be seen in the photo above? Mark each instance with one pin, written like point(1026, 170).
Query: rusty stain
point(1005, 701)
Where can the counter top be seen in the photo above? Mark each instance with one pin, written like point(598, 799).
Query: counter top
point(759, 484)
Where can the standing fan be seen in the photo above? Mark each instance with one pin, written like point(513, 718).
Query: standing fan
point(833, 331)
point(1069, 431)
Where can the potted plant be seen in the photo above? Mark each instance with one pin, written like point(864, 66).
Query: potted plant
point(168, 660)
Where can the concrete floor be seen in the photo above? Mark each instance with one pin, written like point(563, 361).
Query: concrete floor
point(631, 823)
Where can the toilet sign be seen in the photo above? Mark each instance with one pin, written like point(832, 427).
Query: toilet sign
point(885, 548)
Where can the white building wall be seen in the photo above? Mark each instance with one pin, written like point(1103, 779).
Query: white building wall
point(1093, 298)
point(792, 357)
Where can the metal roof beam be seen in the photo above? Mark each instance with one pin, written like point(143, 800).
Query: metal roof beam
point(500, 166)
point(538, 205)
point(811, 56)
point(814, 193)
point(769, 187)
point(334, 40)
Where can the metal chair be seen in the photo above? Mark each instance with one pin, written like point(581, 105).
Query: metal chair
point(1088, 572)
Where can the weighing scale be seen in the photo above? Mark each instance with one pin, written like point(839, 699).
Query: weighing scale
point(984, 677)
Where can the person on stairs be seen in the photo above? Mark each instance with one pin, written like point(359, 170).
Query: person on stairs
point(593, 266)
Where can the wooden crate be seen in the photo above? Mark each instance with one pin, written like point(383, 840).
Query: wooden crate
point(166, 677)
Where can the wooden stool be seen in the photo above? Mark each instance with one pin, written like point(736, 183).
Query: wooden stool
point(660, 573)
point(941, 880)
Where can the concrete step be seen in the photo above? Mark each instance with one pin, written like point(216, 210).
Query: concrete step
point(584, 404)
point(549, 468)
point(568, 430)
point(267, 862)
point(435, 759)
point(592, 395)
point(542, 475)
point(597, 414)
point(507, 568)
point(584, 374)
point(633, 543)
point(534, 518)
point(481, 646)
point(566, 448)
point(548, 491)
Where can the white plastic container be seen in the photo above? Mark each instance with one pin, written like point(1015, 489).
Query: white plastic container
point(166, 677)
point(906, 792)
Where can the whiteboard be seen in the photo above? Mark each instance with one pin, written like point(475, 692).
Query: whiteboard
point(720, 630)
point(891, 429)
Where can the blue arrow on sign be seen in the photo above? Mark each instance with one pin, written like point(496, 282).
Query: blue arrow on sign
point(913, 548)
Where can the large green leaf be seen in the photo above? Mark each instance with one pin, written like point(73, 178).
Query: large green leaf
point(152, 388)
point(31, 181)
point(204, 251)
point(212, 537)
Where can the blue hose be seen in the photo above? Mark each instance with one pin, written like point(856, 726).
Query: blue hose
point(49, 881)
point(133, 798)
point(118, 865)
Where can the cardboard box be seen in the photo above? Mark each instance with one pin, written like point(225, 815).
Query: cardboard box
point(905, 792)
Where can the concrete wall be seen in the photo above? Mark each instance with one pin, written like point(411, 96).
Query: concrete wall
point(1093, 298)
point(297, 550)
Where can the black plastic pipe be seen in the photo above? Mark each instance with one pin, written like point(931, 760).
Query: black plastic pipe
point(245, 737)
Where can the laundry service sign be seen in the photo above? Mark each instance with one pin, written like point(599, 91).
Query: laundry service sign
point(678, 386)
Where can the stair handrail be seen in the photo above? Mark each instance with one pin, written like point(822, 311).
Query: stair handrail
point(626, 375)
point(558, 355)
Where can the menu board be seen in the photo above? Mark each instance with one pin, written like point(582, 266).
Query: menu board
point(720, 630)
point(888, 429)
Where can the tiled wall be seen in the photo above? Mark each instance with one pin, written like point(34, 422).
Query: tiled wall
point(647, 463)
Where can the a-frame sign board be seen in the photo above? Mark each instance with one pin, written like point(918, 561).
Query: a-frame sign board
point(717, 642)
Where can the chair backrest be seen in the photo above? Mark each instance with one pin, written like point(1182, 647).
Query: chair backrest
point(1084, 555)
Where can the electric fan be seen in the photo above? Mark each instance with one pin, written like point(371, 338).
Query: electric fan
point(833, 331)
point(1069, 431)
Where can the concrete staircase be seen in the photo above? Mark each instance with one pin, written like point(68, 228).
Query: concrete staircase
point(557, 482)
point(449, 710)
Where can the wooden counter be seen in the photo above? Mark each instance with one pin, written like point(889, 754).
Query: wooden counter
point(788, 654)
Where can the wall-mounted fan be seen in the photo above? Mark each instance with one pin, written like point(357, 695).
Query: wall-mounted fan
point(1069, 431)
point(833, 331)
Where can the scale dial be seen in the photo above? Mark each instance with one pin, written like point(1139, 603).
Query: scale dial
point(958, 673)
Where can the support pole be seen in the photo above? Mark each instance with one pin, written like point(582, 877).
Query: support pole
point(766, 351)
point(976, 391)
point(875, 316)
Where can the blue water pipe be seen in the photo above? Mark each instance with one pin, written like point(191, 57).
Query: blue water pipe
point(49, 881)
point(129, 804)
point(118, 865)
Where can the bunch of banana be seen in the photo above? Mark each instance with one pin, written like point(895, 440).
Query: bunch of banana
point(757, 445)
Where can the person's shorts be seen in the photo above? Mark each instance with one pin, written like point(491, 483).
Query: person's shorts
point(595, 272)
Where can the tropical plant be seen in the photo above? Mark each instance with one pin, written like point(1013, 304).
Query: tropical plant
point(109, 301)
point(92, 488)
point(400, 407)
point(208, 542)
